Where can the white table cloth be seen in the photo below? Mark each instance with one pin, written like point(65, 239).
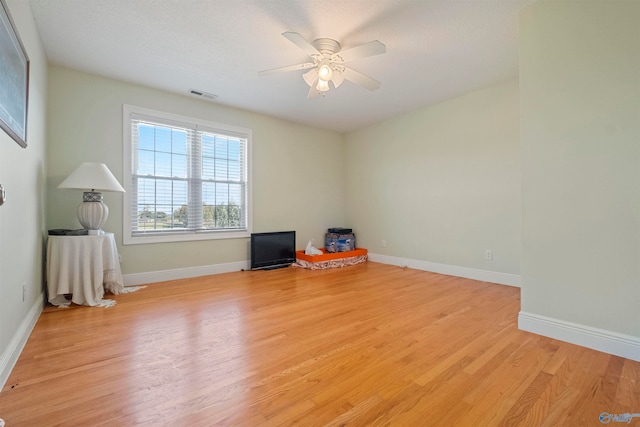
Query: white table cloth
point(84, 266)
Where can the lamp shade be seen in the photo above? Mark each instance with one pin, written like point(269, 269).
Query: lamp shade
point(92, 176)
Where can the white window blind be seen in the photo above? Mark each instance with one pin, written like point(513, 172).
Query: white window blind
point(187, 178)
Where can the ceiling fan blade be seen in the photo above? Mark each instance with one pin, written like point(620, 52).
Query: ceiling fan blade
point(311, 77)
point(296, 67)
point(361, 79)
point(313, 92)
point(337, 78)
point(362, 51)
point(299, 41)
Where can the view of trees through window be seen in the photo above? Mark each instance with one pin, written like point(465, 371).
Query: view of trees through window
point(220, 216)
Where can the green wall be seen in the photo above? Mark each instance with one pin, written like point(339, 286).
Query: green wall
point(580, 137)
point(441, 184)
point(22, 217)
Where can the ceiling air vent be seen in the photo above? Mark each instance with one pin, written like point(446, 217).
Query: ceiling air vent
point(203, 94)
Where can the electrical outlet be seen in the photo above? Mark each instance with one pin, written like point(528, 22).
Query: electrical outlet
point(488, 254)
point(383, 243)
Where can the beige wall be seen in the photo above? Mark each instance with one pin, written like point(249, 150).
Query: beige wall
point(441, 184)
point(297, 170)
point(580, 136)
point(22, 222)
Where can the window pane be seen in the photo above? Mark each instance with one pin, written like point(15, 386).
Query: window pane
point(146, 138)
point(163, 192)
point(222, 199)
point(163, 164)
point(163, 139)
point(221, 170)
point(208, 168)
point(146, 191)
point(181, 217)
point(146, 162)
point(162, 204)
point(208, 193)
point(163, 216)
point(179, 165)
point(235, 215)
point(222, 194)
point(208, 216)
point(208, 145)
point(146, 219)
point(221, 148)
point(222, 216)
point(180, 193)
point(235, 194)
point(179, 143)
point(178, 211)
point(234, 150)
point(234, 171)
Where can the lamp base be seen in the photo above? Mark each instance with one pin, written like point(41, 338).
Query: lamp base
point(92, 196)
point(93, 215)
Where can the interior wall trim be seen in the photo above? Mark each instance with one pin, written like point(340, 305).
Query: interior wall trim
point(10, 355)
point(450, 270)
point(622, 345)
point(136, 279)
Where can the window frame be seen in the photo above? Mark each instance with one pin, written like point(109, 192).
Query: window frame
point(128, 237)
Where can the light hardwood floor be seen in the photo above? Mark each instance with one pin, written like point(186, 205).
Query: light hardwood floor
point(365, 345)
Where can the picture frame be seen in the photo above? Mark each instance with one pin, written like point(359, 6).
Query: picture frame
point(14, 79)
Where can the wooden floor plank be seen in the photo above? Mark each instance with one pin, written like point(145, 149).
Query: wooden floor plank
point(364, 345)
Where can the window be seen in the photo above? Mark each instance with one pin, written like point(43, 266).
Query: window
point(186, 179)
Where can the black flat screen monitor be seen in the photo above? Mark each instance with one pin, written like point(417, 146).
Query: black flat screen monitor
point(273, 250)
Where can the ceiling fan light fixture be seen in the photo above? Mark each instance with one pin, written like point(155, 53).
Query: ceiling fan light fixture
point(325, 72)
point(323, 85)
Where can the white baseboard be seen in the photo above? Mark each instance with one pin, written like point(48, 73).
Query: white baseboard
point(10, 356)
point(450, 270)
point(183, 273)
point(626, 346)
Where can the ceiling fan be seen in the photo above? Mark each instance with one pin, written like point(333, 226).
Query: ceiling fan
point(328, 63)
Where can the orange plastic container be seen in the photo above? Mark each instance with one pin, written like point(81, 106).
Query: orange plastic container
point(331, 256)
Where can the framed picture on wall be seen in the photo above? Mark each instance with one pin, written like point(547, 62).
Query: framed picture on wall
point(14, 79)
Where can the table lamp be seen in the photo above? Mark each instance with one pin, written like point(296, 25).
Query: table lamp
point(92, 212)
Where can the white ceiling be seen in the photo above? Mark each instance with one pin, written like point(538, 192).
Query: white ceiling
point(436, 49)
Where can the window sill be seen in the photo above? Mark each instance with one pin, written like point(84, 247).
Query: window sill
point(142, 239)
